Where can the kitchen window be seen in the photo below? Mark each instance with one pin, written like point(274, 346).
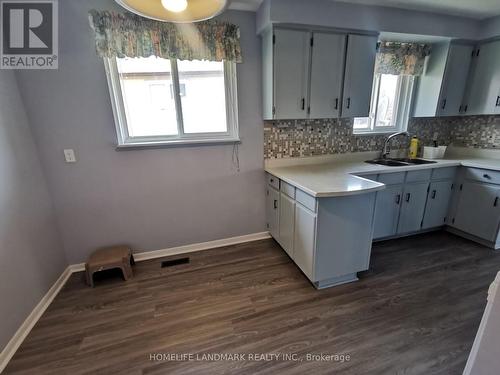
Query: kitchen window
point(390, 105)
point(169, 102)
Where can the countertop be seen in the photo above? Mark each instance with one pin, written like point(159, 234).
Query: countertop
point(337, 176)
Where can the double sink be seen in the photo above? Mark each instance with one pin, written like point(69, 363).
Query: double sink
point(399, 162)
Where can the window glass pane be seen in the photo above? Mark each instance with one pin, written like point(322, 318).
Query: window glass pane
point(148, 96)
point(203, 96)
point(387, 98)
point(361, 123)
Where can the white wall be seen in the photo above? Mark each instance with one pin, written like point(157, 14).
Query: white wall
point(31, 254)
point(151, 199)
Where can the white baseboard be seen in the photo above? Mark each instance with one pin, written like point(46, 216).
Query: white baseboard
point(23, 331)
point(147, 255)
point(25, 328)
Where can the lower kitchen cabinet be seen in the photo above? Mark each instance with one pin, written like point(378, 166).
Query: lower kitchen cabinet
point(272, 211)
point(287, 223)
point(387, 211)
point(328, 238)
point(438, 201)
point(304, 239)
point(478, 210)
point(412, 207)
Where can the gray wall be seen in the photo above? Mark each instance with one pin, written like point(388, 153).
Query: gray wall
point(31, 255)
point(364, 17)
point(150, 199)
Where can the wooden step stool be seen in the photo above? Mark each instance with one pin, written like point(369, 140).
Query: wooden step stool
point(108, 258)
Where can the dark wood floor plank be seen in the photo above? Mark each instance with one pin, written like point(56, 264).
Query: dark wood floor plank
point(416, 311)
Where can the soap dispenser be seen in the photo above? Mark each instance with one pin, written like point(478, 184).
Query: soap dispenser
point(413, 148)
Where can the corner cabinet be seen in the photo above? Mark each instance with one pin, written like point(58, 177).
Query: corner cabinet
point(476, 213)
point(329, 239)
point(310, 74)
point(441, 88)
point(484, 82)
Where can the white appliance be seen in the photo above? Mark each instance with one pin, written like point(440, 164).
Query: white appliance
point(484, 358)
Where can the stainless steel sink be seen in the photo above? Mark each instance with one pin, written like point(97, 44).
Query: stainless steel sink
point(416, 161)
point(388, 162)
point(399, 162)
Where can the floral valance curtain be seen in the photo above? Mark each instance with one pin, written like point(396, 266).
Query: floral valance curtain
point(129, 35)
point(401, 58)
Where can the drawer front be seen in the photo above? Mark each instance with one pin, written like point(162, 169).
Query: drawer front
point(273, 181)
point(447, 173)
point(483, 175)
point(306, 200)
point(287, 189)
point(391, 178)
point(419, 176)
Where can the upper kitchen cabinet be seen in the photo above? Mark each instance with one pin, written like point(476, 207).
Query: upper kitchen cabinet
point(455, 78)
point(484, 82)
point(291, 67)
point(311, 74)
point(440, 90)
point(358, 79)
point(327, 73)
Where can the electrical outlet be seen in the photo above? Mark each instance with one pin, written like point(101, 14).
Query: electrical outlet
point(69, 155)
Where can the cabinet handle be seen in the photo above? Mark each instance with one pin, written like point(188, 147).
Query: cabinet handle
point(348, 103)
point(460, 109)
point(275, 204)
point(398, 198)
point(498, 101)
point(434, 194)
point(465, 108)
point(336, 103)
point(487, 176)
point(303, 104)
point(408, 195)
point(444, 104)
point(495, 203)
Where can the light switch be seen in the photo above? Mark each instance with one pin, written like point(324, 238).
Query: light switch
point(69, 155)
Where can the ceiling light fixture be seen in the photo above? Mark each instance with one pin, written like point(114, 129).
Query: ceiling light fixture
point(175, 5)
point(181, 11)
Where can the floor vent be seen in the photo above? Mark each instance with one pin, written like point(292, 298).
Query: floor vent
point(174, 262)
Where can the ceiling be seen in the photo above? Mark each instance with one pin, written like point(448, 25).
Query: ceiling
point(478, 9)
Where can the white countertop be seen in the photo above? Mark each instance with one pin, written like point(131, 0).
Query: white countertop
point(335, 176)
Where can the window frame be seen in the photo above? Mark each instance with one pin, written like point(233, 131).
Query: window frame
point(405, 88)
point(119, 112)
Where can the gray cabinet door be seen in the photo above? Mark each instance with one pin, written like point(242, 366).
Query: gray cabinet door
point(267, 75)
point(287, 223)
point(438, 201)
point(497, 103)
point(455, 79)
point(327, 70)
point(272, 210)
point(304, 239)
point(412, 207)
point(291, 60)
point(478, 211)
point(484, 86)
point(358, 79)
point(387, 211)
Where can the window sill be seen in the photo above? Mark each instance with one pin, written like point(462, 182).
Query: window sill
point(176, 143)
point(375, 133)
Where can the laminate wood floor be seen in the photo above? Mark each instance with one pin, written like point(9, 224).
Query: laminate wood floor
point(416, 311)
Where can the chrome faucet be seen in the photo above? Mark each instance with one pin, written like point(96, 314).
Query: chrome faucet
point(386, 150)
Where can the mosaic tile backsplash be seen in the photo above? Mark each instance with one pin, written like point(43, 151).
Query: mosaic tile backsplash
point(296, 138)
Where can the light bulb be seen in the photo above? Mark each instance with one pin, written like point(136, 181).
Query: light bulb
point(174, 5)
